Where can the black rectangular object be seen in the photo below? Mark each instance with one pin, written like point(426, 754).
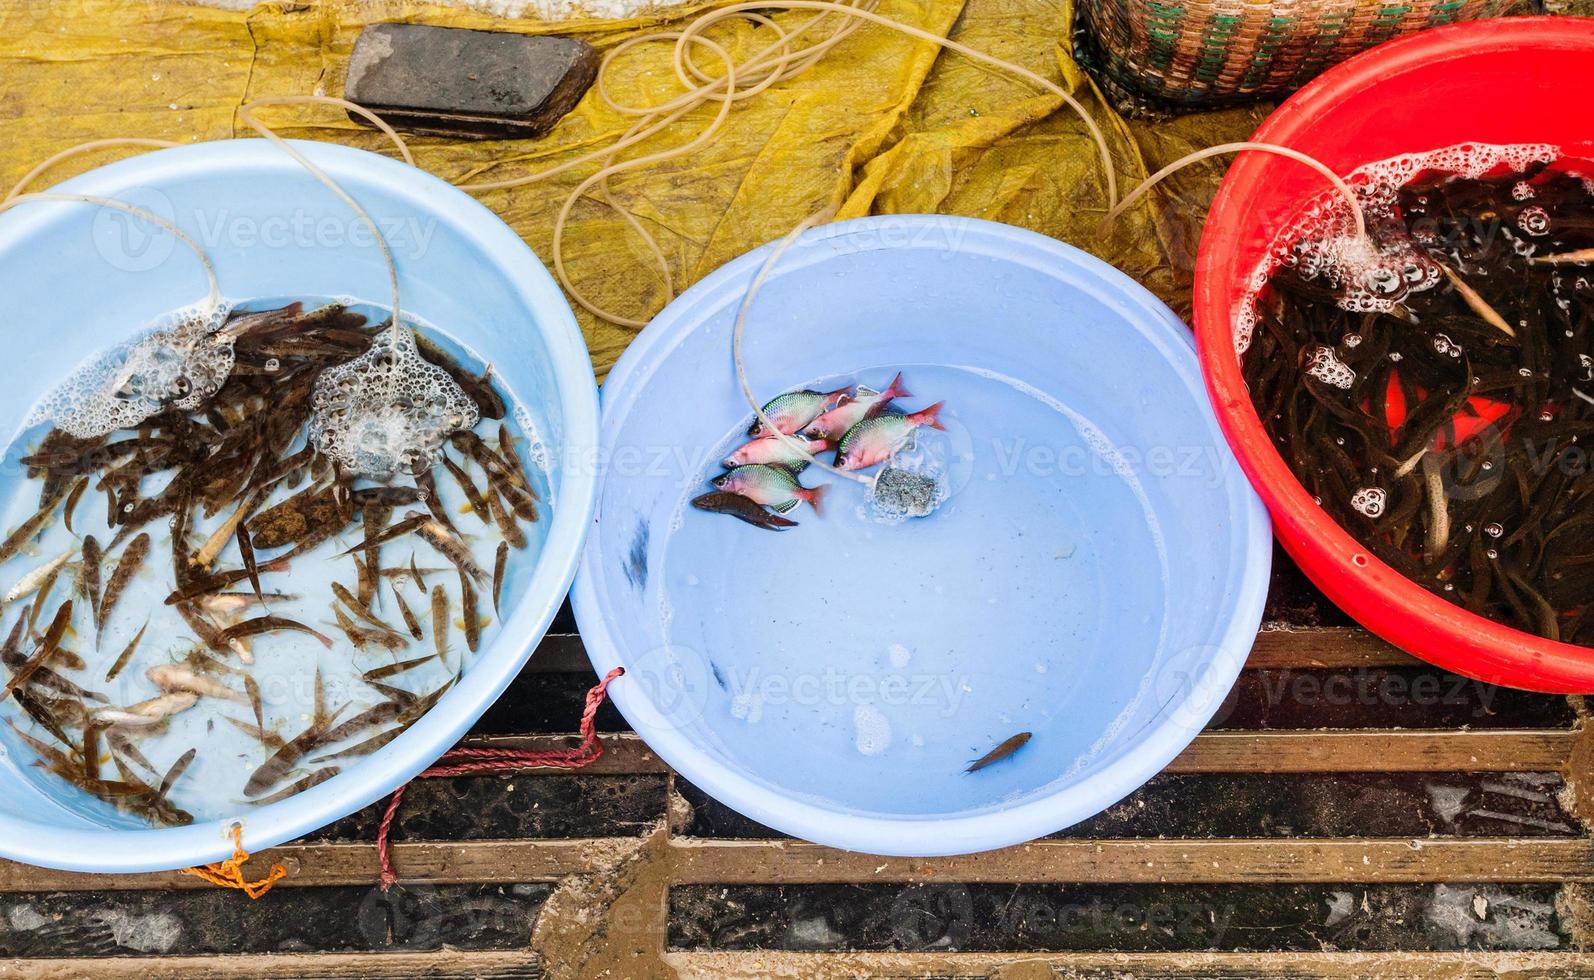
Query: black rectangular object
point(478, 84)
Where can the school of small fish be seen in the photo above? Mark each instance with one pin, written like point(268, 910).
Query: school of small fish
point(243, 454)
point(760, 483)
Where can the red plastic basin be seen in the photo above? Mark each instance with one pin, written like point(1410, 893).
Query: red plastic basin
point(1520, 80)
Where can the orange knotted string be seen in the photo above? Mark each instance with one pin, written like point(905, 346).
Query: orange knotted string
point(230, 874)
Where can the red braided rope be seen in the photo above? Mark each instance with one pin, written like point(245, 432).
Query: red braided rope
point(462, 761)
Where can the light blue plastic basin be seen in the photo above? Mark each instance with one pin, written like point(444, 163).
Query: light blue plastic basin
point(78, 279)
point(1096, 576)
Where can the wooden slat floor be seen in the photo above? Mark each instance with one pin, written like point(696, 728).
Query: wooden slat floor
point(1349, 813)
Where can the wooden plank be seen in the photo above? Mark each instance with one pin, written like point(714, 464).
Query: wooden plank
point(1437, 750)
point(1440, 750)
point(451, 964)
point(700, 862)
point(1324, 647)
point(1034, 966)
point(1553, 860)
point(310, 865)
point(442, 965)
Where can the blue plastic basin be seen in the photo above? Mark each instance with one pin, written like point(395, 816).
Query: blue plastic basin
point(78, 279)
point(1095, 577)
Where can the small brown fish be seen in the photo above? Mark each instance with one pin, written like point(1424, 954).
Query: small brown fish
point(506, 449)
point(500, 475)
point(43, 712)
point(363, 748)
point(11, 651)
point(252, 689)
point(259, 733)
point(314, 779)
point(389, 497)
point(364, 582)
point(372, 717)
point(127, 653)
point(276, 768)
point(176, 772)
point(411, 522)
point(47, 648)
point(440, 622)
point(210, 635)
point(132, 559)
point(450, 547)
point(88, 576)
point(500, 561)
point(359, 608)
point(90, 752)
point(478, 502)
point(28, 530)
point(30, 614)
point(410, 622)
point(207, 584)
point(123, 746)
point(361, 637)
point(393, 670)
point(507, 525)
point(374, 518)
point(72, 497)
point(269, 624)
point(246, 553)
point(434, 501)
point(743, 509)
point(467, 602)
point(999, 753)
point(355, 635)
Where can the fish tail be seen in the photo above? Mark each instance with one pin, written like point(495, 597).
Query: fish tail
point(895, 389)
point(930, 417)
point(814, 495)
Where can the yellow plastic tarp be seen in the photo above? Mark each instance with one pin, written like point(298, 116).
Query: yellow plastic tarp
point(884, 124)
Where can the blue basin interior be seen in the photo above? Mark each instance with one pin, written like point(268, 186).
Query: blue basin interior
point(1095, 576)
point(79, 280)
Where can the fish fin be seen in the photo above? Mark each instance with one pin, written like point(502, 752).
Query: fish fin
point(929, 417)
point(814, 495)
point(895, 389)
point(785, 507)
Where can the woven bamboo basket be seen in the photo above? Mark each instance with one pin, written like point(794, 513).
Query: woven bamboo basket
point(1157, 56)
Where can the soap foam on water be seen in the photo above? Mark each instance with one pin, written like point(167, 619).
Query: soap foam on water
point(183, 359)
point(1322, 244)
point(871, 729)
point(389, 410)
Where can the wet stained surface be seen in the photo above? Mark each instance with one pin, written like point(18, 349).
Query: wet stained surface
point(477, 917)
point(1284, 806)
point(1119, 917)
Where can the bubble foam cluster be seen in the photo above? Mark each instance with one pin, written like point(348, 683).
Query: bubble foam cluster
point(1373, 276)
point(1370, 501)
point(179, 364)
point(1325, 366)
point(389, 410)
